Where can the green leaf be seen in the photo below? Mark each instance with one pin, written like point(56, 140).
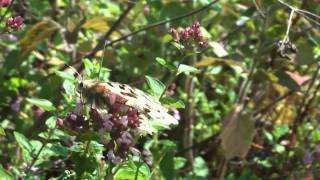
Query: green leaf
point(183, 68)
point(177, 45)
point(166, 64)
point(218, 49)
point(66, 76)
point(268, 136)
point(130, 168)
point(279, 148)
point(156, 86)
point(43, 103)
point(172, 102)
point(200, 171)
point(167, 162)
point(4, 174)
point(22, 141)
point(59, 150)
point(2, 132)
point(69, 87)
point(51, 122)
point(280, 130)
point(179, 162)
point(25, 146)
point(89, 67)
point(242, 20)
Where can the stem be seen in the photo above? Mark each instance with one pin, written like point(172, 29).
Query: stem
point(188, 134)
point(137, 172)
point(34, 160)
point(87, 147)
point(224, 169)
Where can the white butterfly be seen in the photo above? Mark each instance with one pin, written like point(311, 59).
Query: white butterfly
point(102, 95)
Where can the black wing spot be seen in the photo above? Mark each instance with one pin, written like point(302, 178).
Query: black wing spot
point(128, 94)
point(132, 91)
point(110, 84)
point(122, 86)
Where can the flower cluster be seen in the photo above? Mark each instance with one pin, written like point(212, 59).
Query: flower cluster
point(5, 3)
point(15, 23)
point(189, 34)
point(118, 122)
point(76, 121)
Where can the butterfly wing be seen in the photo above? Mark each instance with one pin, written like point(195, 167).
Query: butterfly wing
point(153, 114)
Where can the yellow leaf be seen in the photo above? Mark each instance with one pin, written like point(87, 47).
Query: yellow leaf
point(213, 60)
point(39, 32)
point(237, 134)
point(55, 61)
point(98, 23)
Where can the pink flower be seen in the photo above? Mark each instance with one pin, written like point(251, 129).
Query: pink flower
point(5, 3)
point(15, 22)
point(174, 33)
point(203, 43)
point(60, 122)
point(186, 33)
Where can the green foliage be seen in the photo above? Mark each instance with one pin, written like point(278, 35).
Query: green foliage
point(157, 88)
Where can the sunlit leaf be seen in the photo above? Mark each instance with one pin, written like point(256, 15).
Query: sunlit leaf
point(2, 132)
point(4, 174)
point(24, 144)
point(66, 76)
point(89, 67)
point(156, 86)
point(51, 122)
point(172, 102)
point(165, 63)
point(43, 103)
point(242, 20)
point(97, 23)
point(183, 68)
point(177, 45)
point(218, 49)
point(212, 61)
point(131, 170)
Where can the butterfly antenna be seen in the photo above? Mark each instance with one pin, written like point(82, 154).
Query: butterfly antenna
point(75, 71)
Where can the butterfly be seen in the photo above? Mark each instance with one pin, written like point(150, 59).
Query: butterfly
point(103, 95)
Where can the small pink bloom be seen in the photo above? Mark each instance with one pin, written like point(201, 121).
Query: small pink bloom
point(203, 43)
point(172, 87)
point(60, 122)
point(187, 33)
point(5, 3)
point(15, 22)
point(174, 33)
